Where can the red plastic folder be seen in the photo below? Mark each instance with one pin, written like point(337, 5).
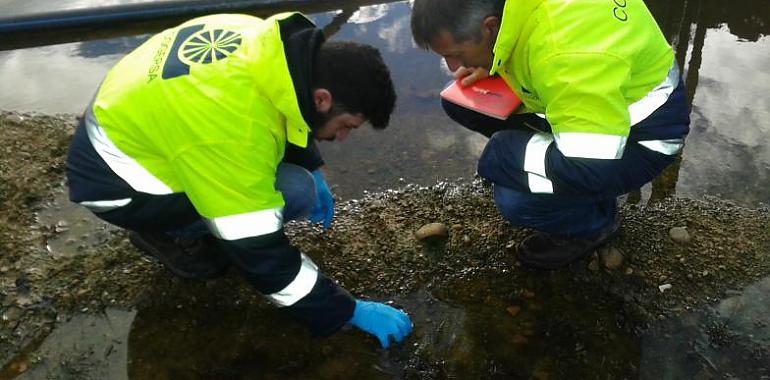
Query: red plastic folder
point(489, 96)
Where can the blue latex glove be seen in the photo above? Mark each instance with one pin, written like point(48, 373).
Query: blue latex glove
point(324, 202)
point(381, 321)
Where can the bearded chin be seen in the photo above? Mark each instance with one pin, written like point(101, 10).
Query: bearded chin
point(320, 120)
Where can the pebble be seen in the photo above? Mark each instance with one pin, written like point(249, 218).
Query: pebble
point(519, 340)
point(528, 294)
point(611, 258)
point(679, 235)
point(513, 310)
point(14, 119)
point(12, 314)
point(430, 230)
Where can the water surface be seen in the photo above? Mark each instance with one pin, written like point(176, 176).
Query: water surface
point(724, 51)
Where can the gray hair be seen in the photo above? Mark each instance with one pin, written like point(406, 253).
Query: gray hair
point(461, 18)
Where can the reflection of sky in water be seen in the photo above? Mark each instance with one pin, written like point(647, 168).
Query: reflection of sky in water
point(52, 79)
point(387, 27)
point(369, 14)
point(727, 152)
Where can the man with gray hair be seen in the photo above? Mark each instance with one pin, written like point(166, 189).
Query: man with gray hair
point(604, 109)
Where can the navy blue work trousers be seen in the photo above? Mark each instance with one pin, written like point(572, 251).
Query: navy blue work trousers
point(585, 190)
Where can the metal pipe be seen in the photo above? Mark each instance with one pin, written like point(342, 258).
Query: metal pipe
point(22, 31)
point(122, 13)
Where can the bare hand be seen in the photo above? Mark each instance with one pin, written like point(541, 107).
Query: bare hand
point(470, 75)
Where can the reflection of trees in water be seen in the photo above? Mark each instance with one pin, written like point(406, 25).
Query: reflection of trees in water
point(338, 21)
point(747, 19)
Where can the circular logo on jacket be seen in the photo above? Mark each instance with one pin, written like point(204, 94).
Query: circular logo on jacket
point(207, 46)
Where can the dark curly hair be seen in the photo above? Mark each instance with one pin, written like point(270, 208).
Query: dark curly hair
point(358, 80)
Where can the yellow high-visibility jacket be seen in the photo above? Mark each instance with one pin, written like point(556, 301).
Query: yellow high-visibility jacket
point(207, 108)
point(587, 66)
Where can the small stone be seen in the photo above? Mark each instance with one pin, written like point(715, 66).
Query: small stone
point(679, 235)
point(529, 294)
point(593, 265)
point(513, 310)
point(12, 314)
point(611, 258)
point(629, 271)
point(432, 230)
point(664, 287)
point(519, 340)
point(14, 119)
point(18, 367)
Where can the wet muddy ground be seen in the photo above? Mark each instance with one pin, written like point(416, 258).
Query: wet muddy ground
point(681, 293)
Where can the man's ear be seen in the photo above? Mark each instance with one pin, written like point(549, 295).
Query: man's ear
point(490, 26)
point(322, 99)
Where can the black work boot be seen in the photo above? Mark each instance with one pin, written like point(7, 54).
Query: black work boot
point(547, 251)
point(186, 258)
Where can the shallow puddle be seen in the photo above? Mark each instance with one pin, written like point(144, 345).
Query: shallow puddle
point(70, 227)
point(731, 340)
point(560, 327)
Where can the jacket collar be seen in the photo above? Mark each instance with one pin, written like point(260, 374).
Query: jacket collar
point(301, 42)
point(515, 15)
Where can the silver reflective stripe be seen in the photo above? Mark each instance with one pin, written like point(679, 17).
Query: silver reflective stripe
point(534, 163)
point(591, 145)
point(124, 166)
point(538, 184)
point(609, 147)
point(251, 224)
point(104, 206)
point(534, 156)
point(668, 147)
point(645, 106)
point(301, 286)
